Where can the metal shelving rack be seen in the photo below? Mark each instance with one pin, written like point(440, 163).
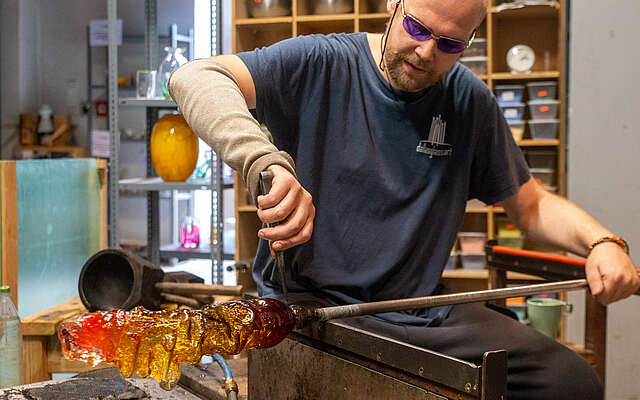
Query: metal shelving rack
point(152, 184)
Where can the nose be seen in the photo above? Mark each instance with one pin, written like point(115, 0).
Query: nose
point(426, 49)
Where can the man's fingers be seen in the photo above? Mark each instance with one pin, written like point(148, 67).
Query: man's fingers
point(302, 236)
point(280, 186)
point(296, 230)
point(595, 280)
point(281, 210)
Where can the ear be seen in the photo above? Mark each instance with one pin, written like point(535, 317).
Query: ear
point(391, 5)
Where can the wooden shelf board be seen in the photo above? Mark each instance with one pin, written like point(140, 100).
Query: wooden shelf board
point(75, 150)
point(528, 11)
point(325, 17)
point(246, 209)
point(477, 210)
point(259, 21)
point(532, 75)
point(533, 143)
point(374, 16)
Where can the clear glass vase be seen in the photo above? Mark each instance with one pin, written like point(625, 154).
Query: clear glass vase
point(171, 60)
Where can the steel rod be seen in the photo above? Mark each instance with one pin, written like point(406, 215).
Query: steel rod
point(354, 310)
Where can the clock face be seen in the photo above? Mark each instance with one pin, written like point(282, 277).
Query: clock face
point(520, 58)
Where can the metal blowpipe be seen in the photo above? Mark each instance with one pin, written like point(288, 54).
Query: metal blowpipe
point(305, 315)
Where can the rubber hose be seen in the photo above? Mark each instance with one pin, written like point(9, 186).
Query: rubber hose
point(230, 385)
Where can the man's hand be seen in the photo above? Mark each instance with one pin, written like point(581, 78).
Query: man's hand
point(289, 204)
point(611, 274)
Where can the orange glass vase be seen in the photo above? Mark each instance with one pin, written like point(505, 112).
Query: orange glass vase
point(174, 148)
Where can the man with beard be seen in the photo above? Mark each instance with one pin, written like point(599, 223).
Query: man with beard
point(391, 137)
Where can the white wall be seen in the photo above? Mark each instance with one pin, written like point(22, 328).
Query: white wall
point(19, 62)
point(604, 160)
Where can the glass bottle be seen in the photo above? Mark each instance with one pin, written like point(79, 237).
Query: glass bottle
point(172, 59)
point(10, 341)
point(189, 233)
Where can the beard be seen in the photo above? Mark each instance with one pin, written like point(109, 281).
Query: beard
point(400, 79)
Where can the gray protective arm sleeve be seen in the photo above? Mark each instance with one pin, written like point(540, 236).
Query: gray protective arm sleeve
point(210, 100)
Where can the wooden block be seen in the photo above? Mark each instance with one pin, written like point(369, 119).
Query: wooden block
point(45, 322)
point(34, 359)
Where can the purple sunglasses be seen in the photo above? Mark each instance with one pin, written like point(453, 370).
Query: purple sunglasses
point(420, 32)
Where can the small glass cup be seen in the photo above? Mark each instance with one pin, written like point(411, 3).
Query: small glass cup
point(145, 83)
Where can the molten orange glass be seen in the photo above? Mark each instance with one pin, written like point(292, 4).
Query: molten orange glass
point(156, 343)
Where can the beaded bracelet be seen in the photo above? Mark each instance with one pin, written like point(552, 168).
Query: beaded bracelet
point(614, 239)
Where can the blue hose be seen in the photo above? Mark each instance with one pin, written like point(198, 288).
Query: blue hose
point(230, 385)
point(224, 365)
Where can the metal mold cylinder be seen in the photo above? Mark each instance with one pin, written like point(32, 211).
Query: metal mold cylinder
point(115, 278)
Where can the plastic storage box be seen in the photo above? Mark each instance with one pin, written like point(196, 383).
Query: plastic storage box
point(477, 49)
point(541, 158)
point(545, 176)
point(517, 129)
point(542, 90)
point(512, 112)
point(516, 242)
point(473, 261)
point(477, 65)
point(452, 262)
point(506, 228)
point(472, 242)
point(543, 129)
point(507, 94)
point(543, 109)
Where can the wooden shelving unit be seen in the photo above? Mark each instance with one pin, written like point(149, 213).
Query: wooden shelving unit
point(540, 27)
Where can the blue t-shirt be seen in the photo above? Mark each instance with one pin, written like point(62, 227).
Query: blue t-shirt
point(390, 172)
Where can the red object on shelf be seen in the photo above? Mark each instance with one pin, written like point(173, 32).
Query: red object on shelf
point(102, 108)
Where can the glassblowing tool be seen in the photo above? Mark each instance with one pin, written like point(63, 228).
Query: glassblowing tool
point(266, 178)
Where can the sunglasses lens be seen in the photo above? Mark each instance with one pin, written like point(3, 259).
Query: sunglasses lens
point(415, 29)
point(451, 46)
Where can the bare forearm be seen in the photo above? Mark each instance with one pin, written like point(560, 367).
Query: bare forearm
point(210, 100)
point(555, 220)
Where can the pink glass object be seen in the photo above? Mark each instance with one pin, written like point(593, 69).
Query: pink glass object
point(189, 233)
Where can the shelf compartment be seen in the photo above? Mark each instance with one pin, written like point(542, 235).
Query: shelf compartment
point(157, 184)
point(373, 7)
point(135, 102)
point(541, 34)
point(535, 11)
point(249, 37)
point(309, 7)
point(372, 25)
point(241, 11)
point(325, 26)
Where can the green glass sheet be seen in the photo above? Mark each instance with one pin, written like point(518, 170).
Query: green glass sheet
point(58, 228)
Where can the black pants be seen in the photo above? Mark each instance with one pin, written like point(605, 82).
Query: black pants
point(538, 367)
